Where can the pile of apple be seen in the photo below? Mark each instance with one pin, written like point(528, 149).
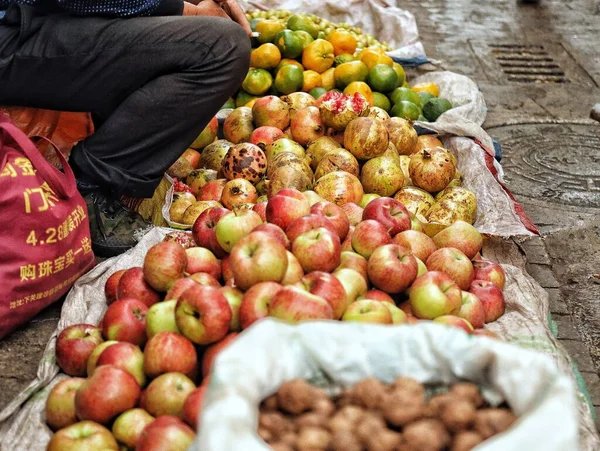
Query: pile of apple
point(294, 262)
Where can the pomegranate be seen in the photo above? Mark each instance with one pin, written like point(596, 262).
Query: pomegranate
point(207, 136)
point(271, 111)
point(289, 159)
point(164, 263)
point(181, 201)
point(319, 148)
point(432, 169)
point(379, 113)
point(366, 138)
point(415, 199)
point(265, 135)
point(404, 164)
point(287, 133)
point(193, 157)
point(382, 175)
point(261, 187)
point(288, 177)
point(338, 137)
point(238, 126)
point(427, 142)
point(194, 210)
point(245, 161)
point(464, 200)
point(213, 190)
point(180, 169)
point(402, 135)
point(337, 160)
point(213, 154)
point(298, 101)
point(238, 192)
point(307, 125)
point(283, 145)
point(338, 110)
point(340, 188)
point(185, 239)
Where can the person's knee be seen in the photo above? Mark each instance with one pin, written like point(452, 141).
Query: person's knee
point(235, 45)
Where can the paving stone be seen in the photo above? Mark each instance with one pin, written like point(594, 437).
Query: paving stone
point(597, 410)
point(592, 381)
point(557, 302)
point(566, 329)
point(535, 250)
point(580, 353)
point(543, 275)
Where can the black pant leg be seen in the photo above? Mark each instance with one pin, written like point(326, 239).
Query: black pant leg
point(153, 82)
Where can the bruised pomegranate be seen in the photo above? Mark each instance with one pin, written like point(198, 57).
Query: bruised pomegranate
point(319, 148)
point(338, 110)
point(271, 111)
point(238, 126)
point(337, 160)
point(238, 192)
point(382, 175)
point(402, 135)
point(213, 154)
point(416, 200)
point(379, 113)
point(283, 145)
point(265, 135)
point(337, 136)
point(432, 169)
point(207, 136)
point(307, 125)
point(366, 138)
point(298, 101)
point(245, 161)
point(213, 190)
point(339, 187)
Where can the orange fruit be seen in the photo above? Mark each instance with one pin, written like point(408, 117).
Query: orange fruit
point(343, 41)
point(348, 72)
point(288, 61)
point(328, 79)
point(267, 56)
point(311, 79)
point(372, 57)
point(318, 56)
point(268, 29)
point(257, 82)
point(362, 88)
point(400, 72)
point(289, 79)
point(429, 87)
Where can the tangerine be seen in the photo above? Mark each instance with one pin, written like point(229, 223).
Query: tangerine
point(318, 56)
point(343, 41)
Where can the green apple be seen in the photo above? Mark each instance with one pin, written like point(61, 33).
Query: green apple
point(83, 435)
point(161, 318)
point(234, 226)
point(368, 311)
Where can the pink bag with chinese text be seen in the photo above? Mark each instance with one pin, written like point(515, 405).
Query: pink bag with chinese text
point(45, 240)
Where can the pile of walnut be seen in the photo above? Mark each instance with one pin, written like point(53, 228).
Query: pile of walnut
point(373, 416)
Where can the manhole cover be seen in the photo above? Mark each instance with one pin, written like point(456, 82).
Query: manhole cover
point(553, 163)
point(527, 63)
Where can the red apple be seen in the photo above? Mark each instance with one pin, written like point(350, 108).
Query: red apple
point(85, 435)
point(335, 214)
point(434, 294)
point(377, 295)
point(236, 225)
point(276, 232)
point(368, 311)
point(347, 243)
point(455, 321)
point(462, 236)
point(165, 262)
point(255, 303)
point(226, 271)
point(168, 352)
point(406, 308)
point(353, 213)
point(294, 271)
point(203, 314)
point(392, 214)
point(317, 250)
point(60, 405)
point(354, 283)
point(200, 259)
point(128, 426)
point(234, 299)
point(352, 260)
point(454, 263)
point(110, 287)
point(287, 205)
point(261, 209)
point(193, 407)
point(328, 287)
point(126, 356)
point(213, 190)
point(491, 297)
point(419, 244)
point(167, 393)
point(204, 230)
point(74, 346)
point(105, 394)
point(204, 279)
point(132, 285)
point(490, 271)
point(125, 320)
point(213, 350)
point(392, 268)
point(179, 288)
point(166, 433)
point(93, 358)
point(306, 223)
point(487, 333)
point(256, 258)
point(398, 315)
point(369, 235)
point(472, 310)
point(292, 304)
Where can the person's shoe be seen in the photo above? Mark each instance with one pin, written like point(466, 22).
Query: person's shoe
point(112, 225)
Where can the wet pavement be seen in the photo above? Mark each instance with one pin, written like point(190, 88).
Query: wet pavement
point(551, 146)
